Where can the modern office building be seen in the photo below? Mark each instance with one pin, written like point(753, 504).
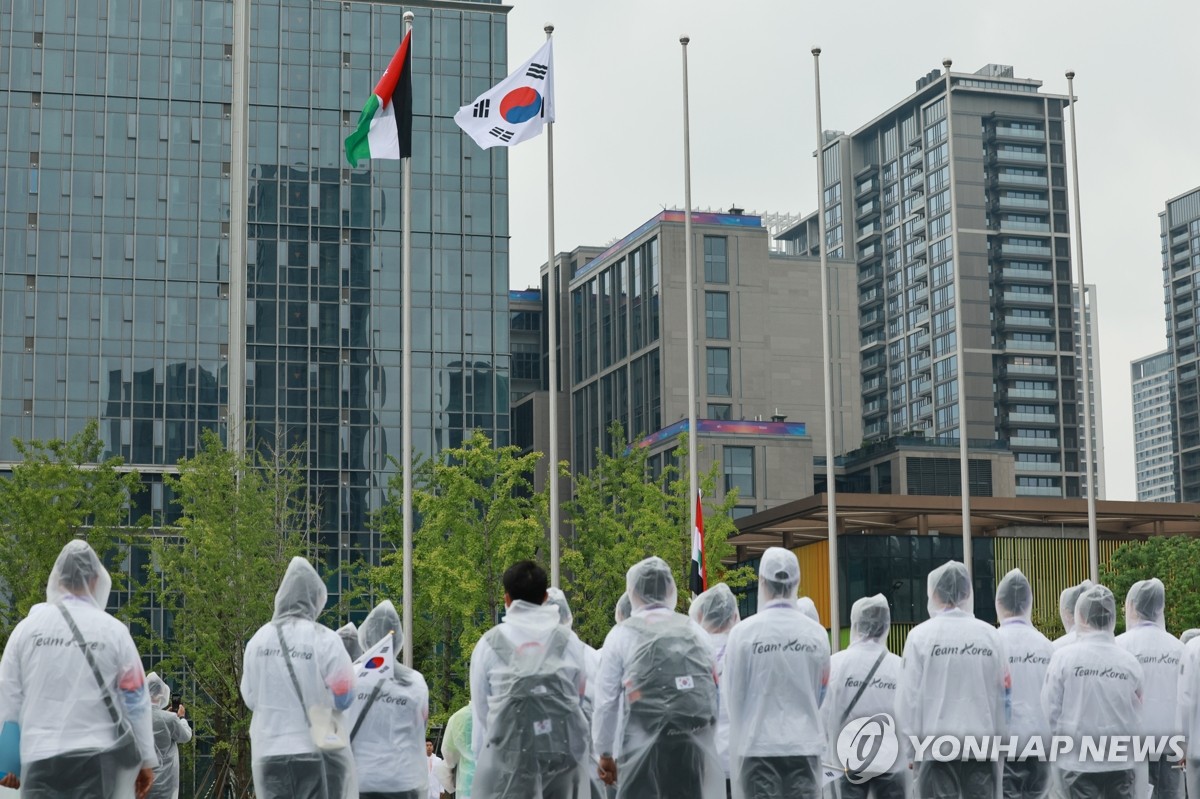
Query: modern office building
point(1153, 384)
point(759, 353)
point(1179, 225)
point(1090, 323)
point(115, 162)
point(893, 208)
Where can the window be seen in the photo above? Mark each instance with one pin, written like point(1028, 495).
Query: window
point(720, 411)
point(716, 266)
point(717, 360)
point(716, 314)
point(739, 470)
point(742, 511)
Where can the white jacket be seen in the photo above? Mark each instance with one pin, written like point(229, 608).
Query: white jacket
point(1189, 697)
point(1161, 657)
point(389, 748)
point(1093, 687)
point(847, 671)
point(1029, 654)
point(955, 678)
point(776, 670)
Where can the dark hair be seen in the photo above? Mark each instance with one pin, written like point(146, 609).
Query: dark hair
point(525, 580)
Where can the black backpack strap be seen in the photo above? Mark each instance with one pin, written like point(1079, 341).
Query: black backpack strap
point(287, 658)
point(863, 687)
point(91, 661)
point(366, 709)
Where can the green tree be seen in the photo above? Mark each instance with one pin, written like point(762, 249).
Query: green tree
point(60, 490)
point(478, 514)
point(621, 513)
point(1173, 559)
point(242, 518)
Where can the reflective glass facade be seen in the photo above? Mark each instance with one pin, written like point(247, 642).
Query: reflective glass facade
point(115, 236)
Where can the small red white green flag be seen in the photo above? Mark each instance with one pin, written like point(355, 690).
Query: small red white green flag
point(385, 125)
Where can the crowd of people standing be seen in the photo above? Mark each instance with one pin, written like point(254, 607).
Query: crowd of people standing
point(672, 706)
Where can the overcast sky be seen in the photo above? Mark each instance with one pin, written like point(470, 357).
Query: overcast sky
point(618, 154)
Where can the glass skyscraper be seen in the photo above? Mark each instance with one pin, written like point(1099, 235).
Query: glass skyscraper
point(115, 286)
point(1179, 226)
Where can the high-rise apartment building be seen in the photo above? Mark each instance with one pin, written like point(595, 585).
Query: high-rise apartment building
point(115, 161)
point(892, 206)
point(1153, 385)
point(1089, 323)
point(1179, 225)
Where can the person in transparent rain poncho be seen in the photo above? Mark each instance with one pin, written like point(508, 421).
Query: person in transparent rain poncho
point(349, 635)
point(663, 665)
point(954, 682)
point(1029, 654)
point(1094, 688)
point(555, 597)
point(776, 671)
point(1161, 657)
point(388, 717)
point(1066, 612)
point(809, 608)
point(457, 757)
point(1189, 713)
point(285, 701)
point(716, 611)
point(623, 609)
point(1188, 635)
point(170, 730)
point(862, 684)
point(64, 703)
point(528, 679)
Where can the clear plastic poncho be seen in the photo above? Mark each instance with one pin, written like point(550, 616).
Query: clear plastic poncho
point(349, 635)
point(716, 610)
point(1094, 686)
point(285, 761)
point(1159, 653)
point(50, 692)
point(623, 609)
point(1188, 635)
point(852, 696)
point(1029, 654)
point(531, 669)
point(389, 745)
point(555, 597)
point(776, 671)
point(169, 731)
point(809, 608)
point(457, 753)
point(650, 583)
point(1066, 611)
point(1146, 603)
point(949, 587)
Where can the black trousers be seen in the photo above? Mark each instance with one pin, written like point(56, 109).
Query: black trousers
point(1026, 779)
point(958, 779)
point(299, 776)
point(885, 786)
point(1167, 779)
point(795, 777)
point(75, 775)
point(673, 770)
point(392, 795)
point(1099, 784)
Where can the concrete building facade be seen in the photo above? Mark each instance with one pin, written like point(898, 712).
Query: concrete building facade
point(1157, 465)
point(1179, 225)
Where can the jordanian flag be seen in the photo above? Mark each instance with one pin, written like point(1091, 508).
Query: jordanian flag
point(698, 578)
point(385, 126)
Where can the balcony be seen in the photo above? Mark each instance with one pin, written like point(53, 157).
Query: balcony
point(870, 230)
point(869, 297)
point(1037, 466)
point(1024, 227)
point(869, 274)
point(1028, 321)
point(1032, 443)
point(873, 362)
point(1006, 179)
point(1032, 418)
point(1018, 273)
point(873, 384)
point(873, 407)
point(869, 318)
point(874, 430)
point(1038, 491)
point(867, 209)
point(1002, 154)
point(870, 252)
point(866, 187)
point(1025, 298)
point(871, 340)
point(1017, 202)
point(1013, 345)
point(1006, 132)
point(1038, 250)
point(924, 387)
point(921, 342)
point(1032, 393)
point(1030, 369)
point(923, 364)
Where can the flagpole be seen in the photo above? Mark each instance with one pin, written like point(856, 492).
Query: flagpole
point(1089, 484)
point(406, 445)
point(552, 322)
point(960, 343)
point(835, 628)
point(693, 438)
point(239, 124)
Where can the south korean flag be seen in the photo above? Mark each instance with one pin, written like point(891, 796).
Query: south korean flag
point(515, 109)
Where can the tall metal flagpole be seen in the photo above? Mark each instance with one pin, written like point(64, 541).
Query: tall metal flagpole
point(964, 462)
point(693, 438)
point(827, 346)
point(406, 445)
point(1089, 484)
point(239, 123)
point(552, 321)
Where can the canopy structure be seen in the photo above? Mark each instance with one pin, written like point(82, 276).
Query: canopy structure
point(804, 521)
